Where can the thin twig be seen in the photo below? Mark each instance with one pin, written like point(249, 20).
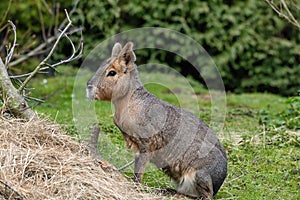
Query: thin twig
point(75, 4)
point(11, 51)
point(24, 75)
point(277, 10)
point(293, 20)
point(34, 52)
point(283, 6)
point(37, 69)
point(46, 68)
point(72, 57)
point(38, 49)
point(34, 99)
point(125, 166)
point(58, 38)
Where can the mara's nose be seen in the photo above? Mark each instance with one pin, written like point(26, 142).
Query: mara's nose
point(89, 86)
point(90, 91)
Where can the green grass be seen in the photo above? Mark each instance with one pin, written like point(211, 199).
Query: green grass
point(263, 163)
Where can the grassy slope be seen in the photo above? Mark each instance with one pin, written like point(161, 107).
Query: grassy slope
point(260, 167)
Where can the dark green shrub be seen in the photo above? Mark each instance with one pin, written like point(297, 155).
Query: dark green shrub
point(253, 48)
point(25, 15)
point(35, 22)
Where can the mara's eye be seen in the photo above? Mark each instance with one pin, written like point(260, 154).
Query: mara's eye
point(111, 73)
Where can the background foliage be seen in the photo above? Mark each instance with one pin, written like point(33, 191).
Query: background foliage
point(253, 48)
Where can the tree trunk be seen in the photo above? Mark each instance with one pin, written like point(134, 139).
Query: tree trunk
point(13, 102)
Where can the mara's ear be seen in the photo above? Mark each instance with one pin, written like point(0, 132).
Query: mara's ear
point(127, 56)
point(116, 50)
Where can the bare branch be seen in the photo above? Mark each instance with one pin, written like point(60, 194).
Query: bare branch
point(282, 9)
point(73, 56)
point(42, 47)
point(28, 74)
point(125, 166)
point(34, 99)
point(13, 101)
point(34, 52)
point(20, 76)
point(58, 39)
point(292, 18)
point(11, 51)
point(44, 62)
point(75, 4)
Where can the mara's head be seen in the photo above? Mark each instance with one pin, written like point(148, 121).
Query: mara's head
point(112, 79)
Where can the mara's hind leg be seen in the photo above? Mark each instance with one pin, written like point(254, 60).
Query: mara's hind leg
point(203, 184)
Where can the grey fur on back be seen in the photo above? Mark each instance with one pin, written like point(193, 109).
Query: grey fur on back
point(175, 140)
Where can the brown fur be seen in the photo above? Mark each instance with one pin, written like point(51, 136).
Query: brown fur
point(173, 139)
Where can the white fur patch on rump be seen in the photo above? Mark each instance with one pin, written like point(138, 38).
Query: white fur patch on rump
point(187, 185)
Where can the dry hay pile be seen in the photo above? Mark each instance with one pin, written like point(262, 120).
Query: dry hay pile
point(38, 161)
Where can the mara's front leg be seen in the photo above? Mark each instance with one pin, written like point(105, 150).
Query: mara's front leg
point(140, 162)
